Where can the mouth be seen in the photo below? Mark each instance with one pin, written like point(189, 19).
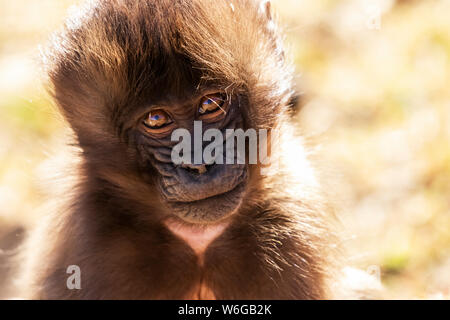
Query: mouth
point(211, 209)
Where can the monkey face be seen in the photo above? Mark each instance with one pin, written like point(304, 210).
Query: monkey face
point(126, 86)
point(195, 191)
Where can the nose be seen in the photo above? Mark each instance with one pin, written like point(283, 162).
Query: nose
point(198, 168)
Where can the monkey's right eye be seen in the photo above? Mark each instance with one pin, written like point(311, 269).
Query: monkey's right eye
point(158, 121)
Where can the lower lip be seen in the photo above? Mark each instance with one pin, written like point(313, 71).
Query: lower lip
point(242, 178)
point(206, 203)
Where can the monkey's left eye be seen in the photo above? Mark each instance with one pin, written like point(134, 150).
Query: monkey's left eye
point(158, 121)
point(212, 106)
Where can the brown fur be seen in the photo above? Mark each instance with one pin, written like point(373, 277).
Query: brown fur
point(103, 67)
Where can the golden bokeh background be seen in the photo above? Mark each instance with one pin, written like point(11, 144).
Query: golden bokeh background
point(375, 104)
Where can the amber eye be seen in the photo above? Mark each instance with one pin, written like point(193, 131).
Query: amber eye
point(212, 106)
point(158, 121)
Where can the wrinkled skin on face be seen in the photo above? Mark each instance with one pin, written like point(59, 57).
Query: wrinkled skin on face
point(196, 193)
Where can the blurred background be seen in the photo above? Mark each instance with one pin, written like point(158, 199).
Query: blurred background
point(375, 106)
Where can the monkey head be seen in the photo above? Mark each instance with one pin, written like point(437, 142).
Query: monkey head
point(127, 74)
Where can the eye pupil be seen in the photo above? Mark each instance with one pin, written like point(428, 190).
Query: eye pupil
point(212, 104)
point(157, 119)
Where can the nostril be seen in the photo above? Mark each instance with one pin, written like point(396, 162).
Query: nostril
point(195, 168)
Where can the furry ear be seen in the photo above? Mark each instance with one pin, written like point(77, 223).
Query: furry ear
point(265, 7)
